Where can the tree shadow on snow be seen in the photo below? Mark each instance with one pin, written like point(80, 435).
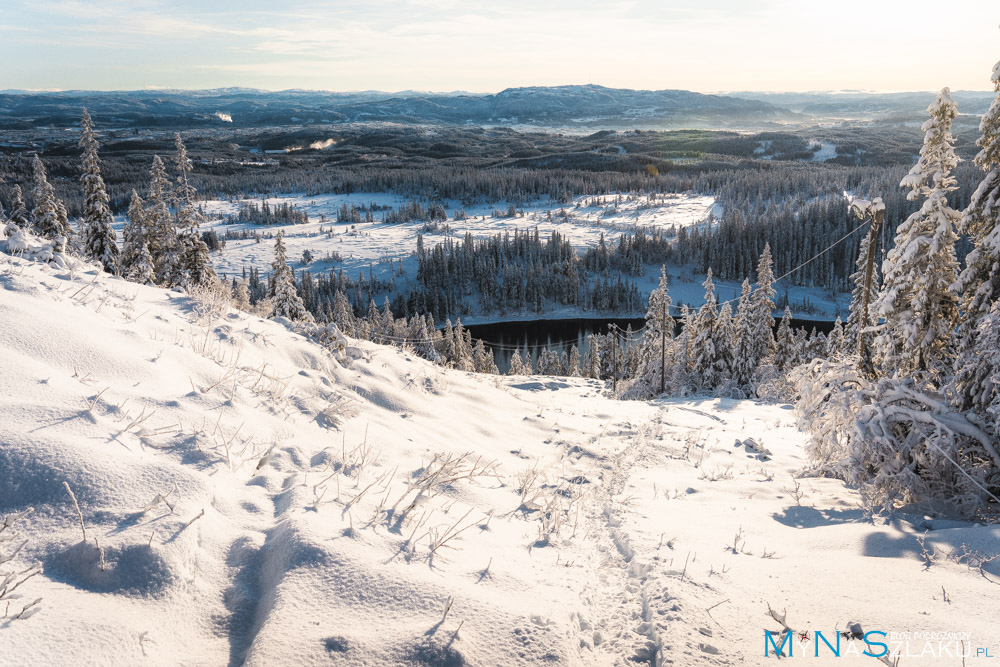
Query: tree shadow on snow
point(540, 385)
point(811, 517)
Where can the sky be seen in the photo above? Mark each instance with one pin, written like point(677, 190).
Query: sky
point(446, 45)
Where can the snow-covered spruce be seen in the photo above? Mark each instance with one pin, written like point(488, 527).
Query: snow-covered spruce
point(99, 241)
point(916, 302)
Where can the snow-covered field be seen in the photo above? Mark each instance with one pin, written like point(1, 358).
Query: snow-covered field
point(380, 247)
point(368, 243)
point(247, 499)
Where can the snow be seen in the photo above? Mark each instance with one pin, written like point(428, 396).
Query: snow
point(366, 243)
point(301, 516)
point(826, 151)
point(380, 247)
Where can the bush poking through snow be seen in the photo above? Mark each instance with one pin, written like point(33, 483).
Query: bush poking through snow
point(11, 544)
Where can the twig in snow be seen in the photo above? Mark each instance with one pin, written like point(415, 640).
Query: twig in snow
point(79, 514)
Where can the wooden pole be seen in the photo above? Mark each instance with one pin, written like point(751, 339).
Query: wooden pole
point(864, 359)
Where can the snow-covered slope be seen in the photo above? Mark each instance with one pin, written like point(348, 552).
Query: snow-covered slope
point(247, 499)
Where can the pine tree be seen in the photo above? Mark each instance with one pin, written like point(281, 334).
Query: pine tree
point(979, 283)
point(136, 262)
point(919, 309)
point(285, 299)
point(99, 241)
point(49, 215)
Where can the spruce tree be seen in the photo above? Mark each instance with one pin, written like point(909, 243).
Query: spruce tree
point(762, 341)
point(592, 360)
point(705, 350)
point(919, 309)
point(835, 341)
point(195, 258)
point(744, 365)
point(49, 215)
point(573, 364)
point(281, 288)
point(979, 283)
point(724, 344)
point(99, 241)
point(856, 315)
point(136, 262)
point(19, 214)
point(516, 365)
point(784, 343)
point(161, 231)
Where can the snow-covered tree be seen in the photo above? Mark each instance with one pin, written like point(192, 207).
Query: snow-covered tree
point(724, 344)
point(762, 299)
point(835, 341)
point(183, 192)
point(19, 213)
point(548, 363)
point(784, 343)
point(516, 365)
point(652, 371)
point(281, 287)
point(194, 252)
point(463, 359)
point(573, 363)
point(856, 318)
point(592, 360)
point(241, 295)
point(743, 348)
point(896, 441)
point(161, 231)
point(483, 359)
point(978, 284)
point(136, 262)
point(49, 217)
point(919, 309)
point(706, 353)
point(99, 241)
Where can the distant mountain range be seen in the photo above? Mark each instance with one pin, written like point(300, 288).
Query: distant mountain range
point(865, 104)
point(586, 107)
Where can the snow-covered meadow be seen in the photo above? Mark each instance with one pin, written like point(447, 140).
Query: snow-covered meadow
point(246, 498)
point(380, 247)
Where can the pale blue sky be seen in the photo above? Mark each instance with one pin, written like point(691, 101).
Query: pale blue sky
point(704, 45)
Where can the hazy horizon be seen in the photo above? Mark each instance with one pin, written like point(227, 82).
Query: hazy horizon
point(735, 93)
point(446, 45)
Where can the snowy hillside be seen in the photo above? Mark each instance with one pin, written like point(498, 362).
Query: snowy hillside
point(246, 498)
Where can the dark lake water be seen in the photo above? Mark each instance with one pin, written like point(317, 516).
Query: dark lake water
point(530, 337)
